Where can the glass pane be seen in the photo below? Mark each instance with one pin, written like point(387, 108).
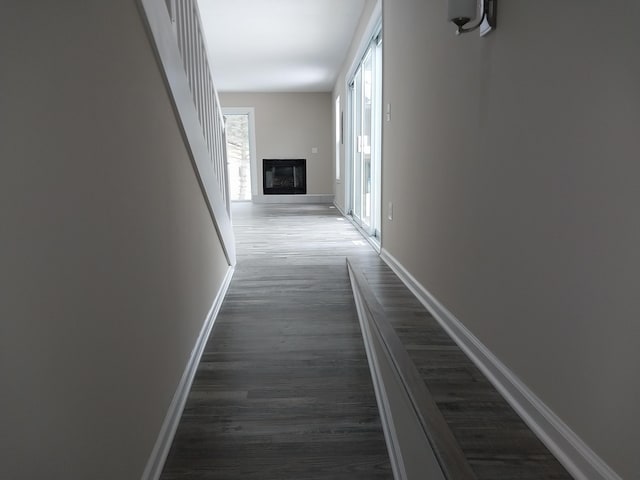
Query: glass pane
point(376, 111)
point(365, 129)
point(357, 144)
point(367, 135)
point(238, 156)
point(338, 139)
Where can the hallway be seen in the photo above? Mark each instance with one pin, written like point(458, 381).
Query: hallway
point(283, 389)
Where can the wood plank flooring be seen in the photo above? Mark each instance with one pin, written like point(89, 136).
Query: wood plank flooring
point(283, 390)
point(496, 442)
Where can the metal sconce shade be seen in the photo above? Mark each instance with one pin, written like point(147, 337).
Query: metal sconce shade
point(462, 12)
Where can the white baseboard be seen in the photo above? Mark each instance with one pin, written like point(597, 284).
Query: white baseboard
point(163, 443)
point(310, 198)
point(576, 456)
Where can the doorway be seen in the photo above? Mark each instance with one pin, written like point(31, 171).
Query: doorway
point(239, 128)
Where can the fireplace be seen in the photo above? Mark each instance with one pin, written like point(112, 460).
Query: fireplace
point(284, 176)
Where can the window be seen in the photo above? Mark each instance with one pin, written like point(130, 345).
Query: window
point(241, 162)
point(338, 136)
point(365, 149)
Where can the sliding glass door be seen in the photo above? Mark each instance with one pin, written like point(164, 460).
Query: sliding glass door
point(366, 109)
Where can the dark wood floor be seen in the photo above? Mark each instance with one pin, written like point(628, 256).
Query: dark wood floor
point(283, 390)
point(495, 441)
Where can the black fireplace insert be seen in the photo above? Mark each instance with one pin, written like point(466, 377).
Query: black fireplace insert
point(284, 176)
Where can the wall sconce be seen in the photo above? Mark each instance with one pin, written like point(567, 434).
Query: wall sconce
point(462, 12)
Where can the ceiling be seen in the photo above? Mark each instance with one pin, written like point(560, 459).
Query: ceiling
point(278, 45)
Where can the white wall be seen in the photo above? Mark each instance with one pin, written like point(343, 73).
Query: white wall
point(512, 163)
point(109, 258)
point(289, 125)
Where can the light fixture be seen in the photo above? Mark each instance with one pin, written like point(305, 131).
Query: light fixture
point(462, 12)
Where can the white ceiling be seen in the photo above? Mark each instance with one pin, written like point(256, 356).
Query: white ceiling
point(278, 45)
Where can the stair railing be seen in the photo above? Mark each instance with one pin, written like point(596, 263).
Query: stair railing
point(177, 34)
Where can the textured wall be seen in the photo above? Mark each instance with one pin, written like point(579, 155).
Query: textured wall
point(109, 258)
point(512, 163)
